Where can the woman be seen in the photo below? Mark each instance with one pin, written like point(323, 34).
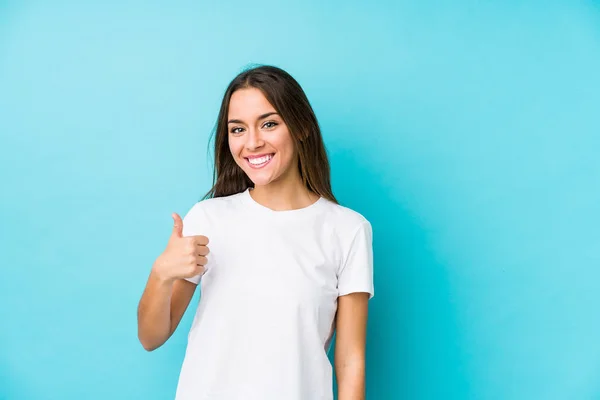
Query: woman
point(287, 267)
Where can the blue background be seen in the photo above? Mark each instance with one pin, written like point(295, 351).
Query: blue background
point(467, 132)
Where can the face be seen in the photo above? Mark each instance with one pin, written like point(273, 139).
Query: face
point(259, 140)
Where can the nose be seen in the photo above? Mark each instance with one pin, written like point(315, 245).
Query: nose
point(254, 140)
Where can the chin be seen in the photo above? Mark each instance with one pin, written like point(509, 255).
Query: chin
point(260, 181)
point(260, 177)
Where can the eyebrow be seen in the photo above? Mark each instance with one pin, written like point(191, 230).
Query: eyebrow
point(239, 121)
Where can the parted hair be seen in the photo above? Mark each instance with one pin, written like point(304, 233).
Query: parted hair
point(286, 95)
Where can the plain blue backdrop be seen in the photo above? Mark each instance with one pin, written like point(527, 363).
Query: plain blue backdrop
point(467, 132)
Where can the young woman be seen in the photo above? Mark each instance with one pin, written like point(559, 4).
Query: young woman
point(288, 266)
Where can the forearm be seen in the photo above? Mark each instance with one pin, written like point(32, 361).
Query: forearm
point(351, 380)
point(154, 312)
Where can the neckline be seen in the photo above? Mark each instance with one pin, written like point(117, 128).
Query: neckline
point(253, 203)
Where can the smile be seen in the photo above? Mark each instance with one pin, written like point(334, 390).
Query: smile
point(260, 161)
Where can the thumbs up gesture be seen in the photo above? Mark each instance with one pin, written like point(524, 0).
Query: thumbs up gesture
point(184, 257)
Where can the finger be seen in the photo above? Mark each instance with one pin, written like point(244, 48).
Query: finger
point(201, 260)
point(203, 250)
point(177, 226)
point(201, 240)
point(199, 270)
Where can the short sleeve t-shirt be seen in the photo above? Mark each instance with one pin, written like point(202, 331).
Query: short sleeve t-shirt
point(265, 319)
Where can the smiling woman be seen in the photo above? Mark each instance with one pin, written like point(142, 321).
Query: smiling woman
point(259, 101)
point(263, 148)
point(287, 266)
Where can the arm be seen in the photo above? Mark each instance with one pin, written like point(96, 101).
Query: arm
point(349, 359)
point(161, 308)
point(167, 293)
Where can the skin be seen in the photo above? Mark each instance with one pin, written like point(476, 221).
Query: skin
point(254, 129)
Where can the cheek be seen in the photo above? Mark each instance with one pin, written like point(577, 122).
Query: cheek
point(234, 147)
point(286, 144)
point(235, 150)
point(291, 149)
point(288, 154)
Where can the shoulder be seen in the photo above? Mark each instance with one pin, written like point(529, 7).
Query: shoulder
point(215, 207)
point(346, 219)
point(205, 216)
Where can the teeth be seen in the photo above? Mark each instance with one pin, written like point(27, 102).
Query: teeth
point(261, 160)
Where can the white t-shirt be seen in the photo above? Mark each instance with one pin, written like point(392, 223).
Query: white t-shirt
point(268, 298)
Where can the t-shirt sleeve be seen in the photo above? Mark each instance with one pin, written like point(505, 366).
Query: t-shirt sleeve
point(194, 224)
point(356, 273)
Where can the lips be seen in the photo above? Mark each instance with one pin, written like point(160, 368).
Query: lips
point(259, 161)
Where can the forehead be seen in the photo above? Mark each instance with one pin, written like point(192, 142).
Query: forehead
point(248, 103)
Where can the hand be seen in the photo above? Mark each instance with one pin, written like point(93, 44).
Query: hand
point(184, 257)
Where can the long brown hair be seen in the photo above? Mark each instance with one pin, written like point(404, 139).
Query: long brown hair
point(289, 100)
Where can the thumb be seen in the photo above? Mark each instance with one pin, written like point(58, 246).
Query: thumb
point(177, 225)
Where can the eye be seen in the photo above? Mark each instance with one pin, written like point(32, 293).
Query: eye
point(236, 130)
point(270, 124)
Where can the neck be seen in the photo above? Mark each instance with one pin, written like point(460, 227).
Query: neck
point(285, 195)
